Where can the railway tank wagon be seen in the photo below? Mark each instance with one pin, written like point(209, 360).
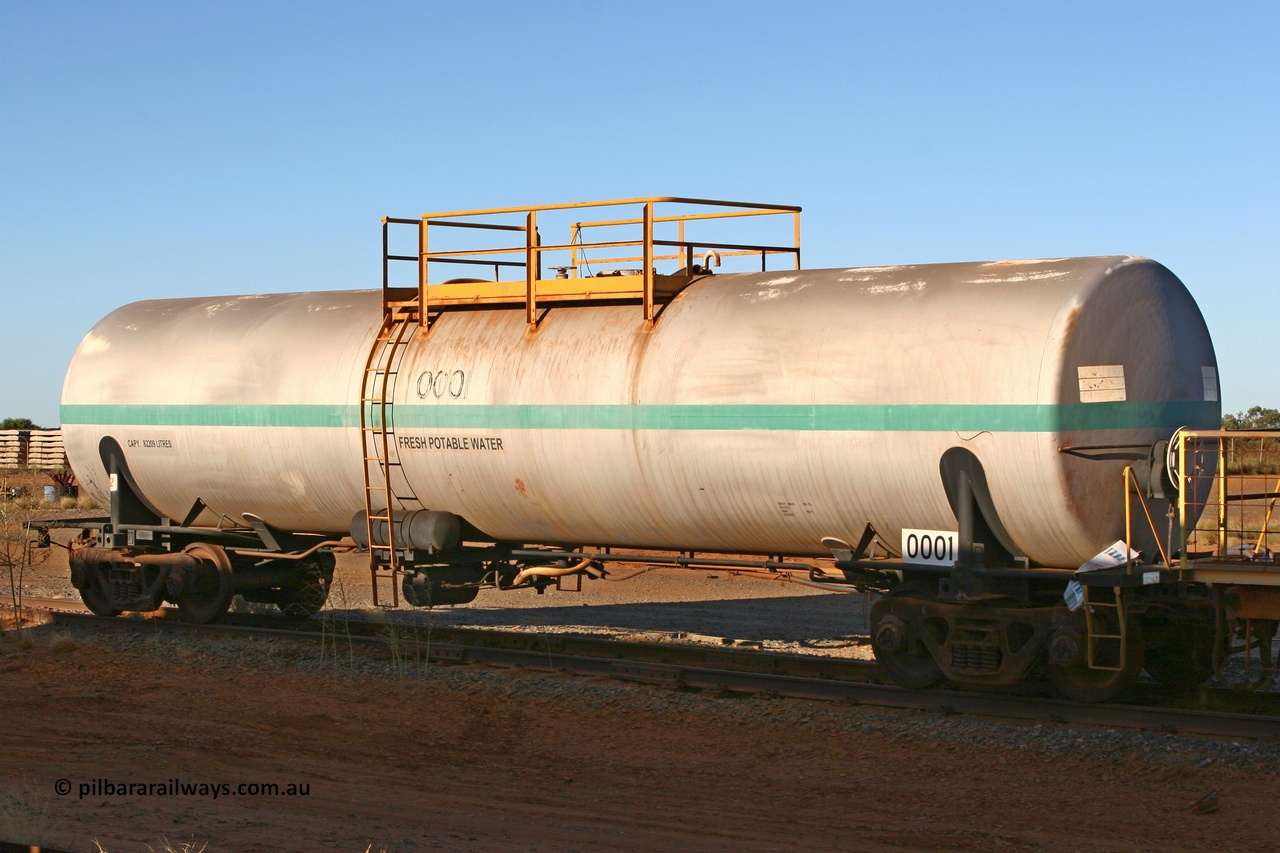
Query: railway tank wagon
point(451, 426)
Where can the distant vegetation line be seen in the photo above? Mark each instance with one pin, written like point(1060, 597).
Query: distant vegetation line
point(1253, 455)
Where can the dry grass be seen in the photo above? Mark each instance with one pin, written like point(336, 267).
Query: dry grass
point(29, 502)
point(166, 846)
point(23, 639)
point(61, 642)
point(30, 487)
point(17, 546)
point(180, 847)
point(1245, 518)
point(28, 814)
point(1244, 455)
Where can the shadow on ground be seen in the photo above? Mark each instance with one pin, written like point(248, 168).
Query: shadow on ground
point(801, 619)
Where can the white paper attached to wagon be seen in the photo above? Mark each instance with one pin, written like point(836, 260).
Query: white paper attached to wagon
point(1108, 558)
point(1101, 383)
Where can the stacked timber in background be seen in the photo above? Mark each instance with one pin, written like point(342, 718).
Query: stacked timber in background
point(39, 449)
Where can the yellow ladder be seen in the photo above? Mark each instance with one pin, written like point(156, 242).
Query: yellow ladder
point(401, 316)
point(1094, 632)
point(377, 432)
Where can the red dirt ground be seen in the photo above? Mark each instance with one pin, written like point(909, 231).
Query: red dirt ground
point(432, 766)
point(490, 760)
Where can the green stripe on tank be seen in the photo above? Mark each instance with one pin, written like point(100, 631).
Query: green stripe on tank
point(213, 415)
point(906, 418)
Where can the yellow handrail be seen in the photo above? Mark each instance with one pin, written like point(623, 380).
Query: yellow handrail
point(530, 252)
point(1131, 487)
point(611, 203)
point(1206, 475)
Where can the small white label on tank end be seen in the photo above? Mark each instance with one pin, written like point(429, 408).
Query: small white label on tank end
point(1101, 383)
point(1150, 578)
point(1210, 376)
point(115, 482)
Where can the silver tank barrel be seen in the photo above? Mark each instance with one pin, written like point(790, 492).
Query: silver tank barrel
point(761, 413)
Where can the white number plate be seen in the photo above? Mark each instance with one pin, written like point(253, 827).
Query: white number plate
point(930, 547)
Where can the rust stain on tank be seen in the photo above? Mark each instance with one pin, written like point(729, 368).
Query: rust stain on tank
point(1069, 327)
point(520, 487)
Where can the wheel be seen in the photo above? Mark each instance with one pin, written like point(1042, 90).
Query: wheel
point(88, 576)
point(1184, 658)
point(214, 585)
point(899, 650)
point(308, 595)
point(1075, 680)
point(97, 599)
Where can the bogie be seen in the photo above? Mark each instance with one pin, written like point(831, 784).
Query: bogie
point(922, 640)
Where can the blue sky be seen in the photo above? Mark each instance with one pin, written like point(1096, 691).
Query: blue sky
point(173, 149)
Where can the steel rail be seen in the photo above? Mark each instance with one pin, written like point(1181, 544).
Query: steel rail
point(678, 654)
point(627, 661)
point(34, 602)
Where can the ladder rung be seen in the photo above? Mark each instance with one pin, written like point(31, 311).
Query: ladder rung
point(381, 370)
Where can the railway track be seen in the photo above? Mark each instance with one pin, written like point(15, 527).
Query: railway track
point(1206, 711)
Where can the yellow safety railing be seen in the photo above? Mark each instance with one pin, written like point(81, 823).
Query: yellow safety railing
point(1229, 482)
point(635, 239)
point(1131, 488)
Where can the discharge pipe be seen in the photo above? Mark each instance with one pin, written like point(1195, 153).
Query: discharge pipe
point(549, 572)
